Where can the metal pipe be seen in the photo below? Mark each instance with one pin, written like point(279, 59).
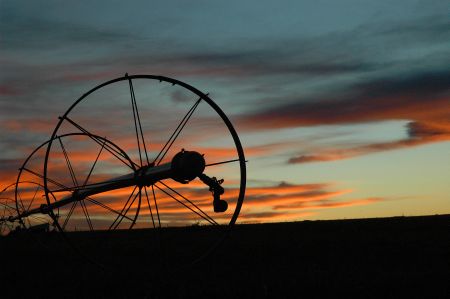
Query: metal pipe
point(184, 167)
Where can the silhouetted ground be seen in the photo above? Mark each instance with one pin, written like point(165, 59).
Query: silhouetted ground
point(406, 257)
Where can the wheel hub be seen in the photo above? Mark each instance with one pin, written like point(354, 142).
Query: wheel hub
point(187, 165)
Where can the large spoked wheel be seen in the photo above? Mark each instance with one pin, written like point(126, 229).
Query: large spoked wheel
point(168, 158)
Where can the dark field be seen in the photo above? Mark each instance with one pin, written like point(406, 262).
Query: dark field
point(369, 258)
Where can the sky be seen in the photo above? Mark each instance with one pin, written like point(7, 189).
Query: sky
point(342, 107)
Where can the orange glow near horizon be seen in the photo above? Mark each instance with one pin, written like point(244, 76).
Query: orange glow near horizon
point(276, 202)
point(264, 201)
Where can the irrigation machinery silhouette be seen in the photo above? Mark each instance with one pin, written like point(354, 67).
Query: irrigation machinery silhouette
point(135, 152)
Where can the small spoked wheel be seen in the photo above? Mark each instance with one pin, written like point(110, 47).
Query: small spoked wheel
point(32, 208)
point(145, 152)
point(7, 210)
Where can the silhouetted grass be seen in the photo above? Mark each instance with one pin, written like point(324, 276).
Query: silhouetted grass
point(367, 258)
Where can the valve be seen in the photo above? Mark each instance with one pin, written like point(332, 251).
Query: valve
point(215, 187)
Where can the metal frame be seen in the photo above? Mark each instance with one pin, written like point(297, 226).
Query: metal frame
point(144, 173)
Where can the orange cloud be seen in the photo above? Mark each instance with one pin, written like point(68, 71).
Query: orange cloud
point(324, 204)
point(423, 98)
point(280, 202)
point(287, 202)
point(28, 125)
point(275, 202)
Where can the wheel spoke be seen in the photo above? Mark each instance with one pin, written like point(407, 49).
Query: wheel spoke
point(106, 207)
point(69, 165)
point(21, 202)
point(93, 165)
point(72, 208)
point(137, 124)
point(6, 205)
point(176, 133)
point(138, 208)
point(158, 234)
point(200, 212)
point(119, 155)
point(41, 219)
point(34, 196)
point(126, 211)
point(123, 209)
point(149, 206)
point(23, 209)
point(75, 182)
point(197, 207)
point(224, 162)
point(42, 177)
point(156, 206)
point(86, 214)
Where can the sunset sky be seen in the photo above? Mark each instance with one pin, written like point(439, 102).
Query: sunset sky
point(343, 107)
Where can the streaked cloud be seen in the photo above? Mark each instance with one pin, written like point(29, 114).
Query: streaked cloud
point(422, 96)
point(271, 67)
point(419, 134)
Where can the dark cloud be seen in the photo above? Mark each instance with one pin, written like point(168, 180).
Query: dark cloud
point(10, 164)
point(7, 91)
point(179, 97)
point(415, 96)
point(269, 62)
point(27, 33)
point(417, 130)
point(415, 86)
point(273, 60)
point(354, 51)
point(429, 29)
point(9, 168)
